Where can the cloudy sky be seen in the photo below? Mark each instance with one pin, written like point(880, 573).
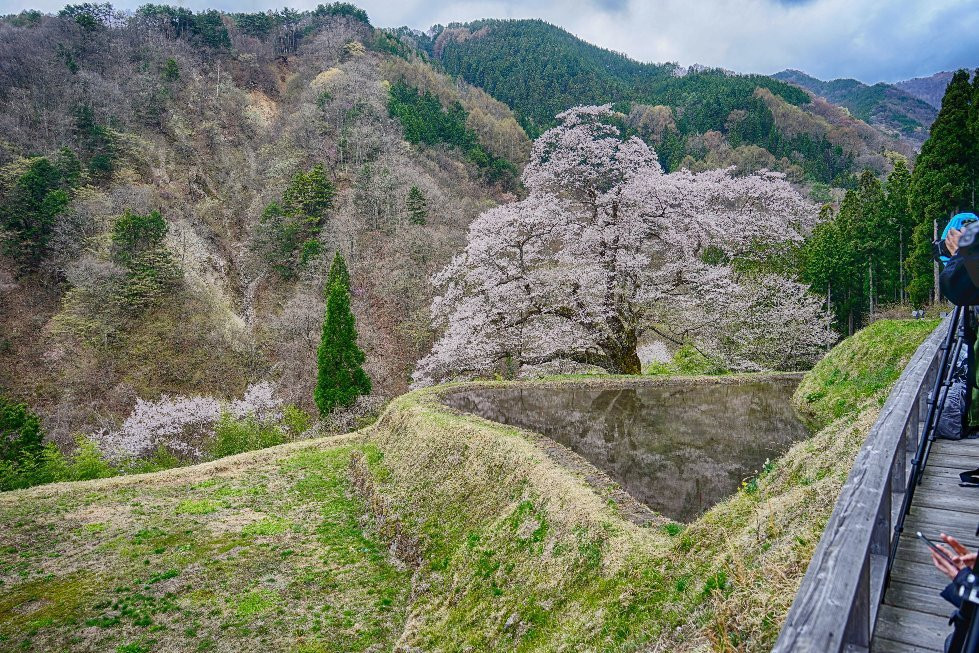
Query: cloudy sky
point(871, 40)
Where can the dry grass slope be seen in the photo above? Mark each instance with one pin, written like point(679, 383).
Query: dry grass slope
point(276, 550)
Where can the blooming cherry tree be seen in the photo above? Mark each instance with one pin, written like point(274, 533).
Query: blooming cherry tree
point(180, 424)
point(607, 249)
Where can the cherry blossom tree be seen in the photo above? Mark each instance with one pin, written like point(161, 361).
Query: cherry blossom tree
point(607, 250)
point(180, 424)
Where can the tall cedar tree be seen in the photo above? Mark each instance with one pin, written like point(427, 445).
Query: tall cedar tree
point(338, 273)
point(901, 224)
point(340, 377)
point(855, 258)
point(943, 181)
point(417, 206)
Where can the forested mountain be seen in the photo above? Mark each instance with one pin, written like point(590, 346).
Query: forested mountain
point(700, 118)
point(173, 186)
point(886, 106)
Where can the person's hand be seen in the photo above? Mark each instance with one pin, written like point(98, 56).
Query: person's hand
point(961, 557)
point(944, 565)
point(952, 241)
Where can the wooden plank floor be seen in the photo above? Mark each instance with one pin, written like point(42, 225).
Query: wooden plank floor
point(914, 617)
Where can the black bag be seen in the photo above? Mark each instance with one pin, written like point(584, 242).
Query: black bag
point(951, 424)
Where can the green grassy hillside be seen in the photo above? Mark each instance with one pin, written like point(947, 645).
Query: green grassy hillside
point(860, 369)
point(430, 530)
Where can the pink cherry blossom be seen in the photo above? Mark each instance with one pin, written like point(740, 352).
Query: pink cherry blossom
point(607, 252)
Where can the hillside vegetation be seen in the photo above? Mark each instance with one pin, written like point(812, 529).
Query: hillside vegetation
point(430, 530)
point(860, 369)
point(886, 106)
point(173, 186)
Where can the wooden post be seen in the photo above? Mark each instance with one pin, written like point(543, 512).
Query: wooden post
point(858, 628)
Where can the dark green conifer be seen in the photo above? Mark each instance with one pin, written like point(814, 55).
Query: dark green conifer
point(417, 206)
point(20, 432)
point(171, 71)
point(28, 213)
point(340, 378)
point(900, 222)
point(943, 180)
point(338, 273)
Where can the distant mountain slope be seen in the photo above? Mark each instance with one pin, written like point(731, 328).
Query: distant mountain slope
point(695, 117)
point(930, 89)
point(540, 70)
point(882, 105)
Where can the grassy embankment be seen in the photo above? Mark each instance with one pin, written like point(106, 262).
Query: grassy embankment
point(499, 544)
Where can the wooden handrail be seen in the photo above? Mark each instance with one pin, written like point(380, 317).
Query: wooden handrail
point(836, 606)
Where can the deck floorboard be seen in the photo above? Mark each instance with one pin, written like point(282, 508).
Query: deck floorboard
point(914, 617)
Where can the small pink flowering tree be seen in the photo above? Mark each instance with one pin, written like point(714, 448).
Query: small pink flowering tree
point(607, 249)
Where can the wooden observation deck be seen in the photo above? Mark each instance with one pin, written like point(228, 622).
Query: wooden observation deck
point(847, 601)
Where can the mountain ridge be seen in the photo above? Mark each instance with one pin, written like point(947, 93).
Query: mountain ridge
point(696, 116)
point(929, 89)
point(883, 105)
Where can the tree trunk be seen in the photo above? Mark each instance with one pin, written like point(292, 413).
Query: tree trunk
point(623, 357)
point(629, 362)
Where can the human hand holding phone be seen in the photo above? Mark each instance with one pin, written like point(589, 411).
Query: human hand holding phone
point(949, 561)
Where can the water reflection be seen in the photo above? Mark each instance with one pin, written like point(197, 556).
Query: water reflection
point(678, 449)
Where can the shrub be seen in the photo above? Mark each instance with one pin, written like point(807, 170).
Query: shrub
point(238, 435)
point(688, 360)
point(49, 465)
point(20, 432)
point(659, 368)
point(87, 463)
point(297, 421)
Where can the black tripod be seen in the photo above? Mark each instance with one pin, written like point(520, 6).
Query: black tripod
point(955, 340)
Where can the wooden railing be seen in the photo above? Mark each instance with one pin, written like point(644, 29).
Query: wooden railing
point(836, 606)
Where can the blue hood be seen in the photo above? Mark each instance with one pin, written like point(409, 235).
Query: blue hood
point(956, 223)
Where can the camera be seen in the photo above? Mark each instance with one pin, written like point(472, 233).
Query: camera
point(967, 241)
point(969, 250)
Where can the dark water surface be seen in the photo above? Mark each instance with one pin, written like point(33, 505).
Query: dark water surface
point(679, 449)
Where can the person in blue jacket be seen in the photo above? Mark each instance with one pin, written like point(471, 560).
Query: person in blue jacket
point(961, 566)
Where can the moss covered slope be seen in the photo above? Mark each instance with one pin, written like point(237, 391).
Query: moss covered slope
point(429, 531)
point(860, 369)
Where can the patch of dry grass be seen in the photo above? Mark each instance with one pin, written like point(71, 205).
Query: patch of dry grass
point(266, 552)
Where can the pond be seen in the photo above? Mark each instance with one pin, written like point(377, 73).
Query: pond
point(677, 448)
